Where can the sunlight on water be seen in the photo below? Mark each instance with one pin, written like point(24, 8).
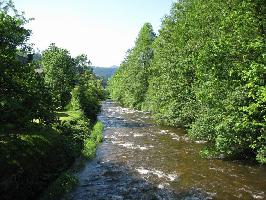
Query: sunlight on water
point(140, 160)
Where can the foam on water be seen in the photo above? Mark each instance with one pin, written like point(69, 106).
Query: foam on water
point(138, 135)
point(131, 146)
point(110, 137)
point(143, 171)
point(163, 132)
point(158, 173)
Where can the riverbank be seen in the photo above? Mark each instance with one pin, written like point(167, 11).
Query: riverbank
point(38, 157)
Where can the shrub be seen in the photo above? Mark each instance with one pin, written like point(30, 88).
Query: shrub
point(31, 160)
point(96, 134)
point(89, 149)
point(61, 186)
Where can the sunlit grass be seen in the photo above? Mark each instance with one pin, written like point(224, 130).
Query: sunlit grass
point(89, 148)
point(97, 131)
point(69, 115)
point(90, 144)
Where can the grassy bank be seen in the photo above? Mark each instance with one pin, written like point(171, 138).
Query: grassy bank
point(38, 158)
point(68, 180)
point(90, 143)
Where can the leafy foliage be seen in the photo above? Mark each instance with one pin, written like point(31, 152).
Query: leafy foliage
point(207, 74)
point(64, 184)
point(29, 161)
point(74, 125)
point(89, 92)
point(59, 70)
point(90, 143)
point(23, 96)
point(36, 147)
point(130, 83)
point(96, 134)
point(82, 64)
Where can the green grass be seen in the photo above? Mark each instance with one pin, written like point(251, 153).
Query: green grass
point(97, 131)
point(89, 150)
point(69, 115)
point(90, 144)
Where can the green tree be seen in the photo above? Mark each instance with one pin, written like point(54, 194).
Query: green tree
point(59, 70)
point(20, 89)
point(82, 64)
point(231, 81)
point(207, 74)
point(88, 91)
point(90, 94)
point(87, 95)
point(133, 73)
point(170, 96)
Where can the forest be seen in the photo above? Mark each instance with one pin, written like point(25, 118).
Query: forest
point(204, 71)
point(48, 103)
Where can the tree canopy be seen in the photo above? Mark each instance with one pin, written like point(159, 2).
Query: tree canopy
point(22, 93)
point(207, 74)
point(131, 80)
point(59, 70)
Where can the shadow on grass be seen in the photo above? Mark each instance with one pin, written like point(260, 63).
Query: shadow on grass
point(31, 160)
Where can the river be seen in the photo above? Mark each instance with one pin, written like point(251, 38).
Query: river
point(141, 160)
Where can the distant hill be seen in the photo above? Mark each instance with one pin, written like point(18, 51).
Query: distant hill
point(105, 72)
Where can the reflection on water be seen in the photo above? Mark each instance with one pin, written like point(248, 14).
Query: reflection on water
point(140, 160)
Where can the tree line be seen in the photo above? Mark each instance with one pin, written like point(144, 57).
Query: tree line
point(49, 103)
point(204, 71)
point(34, 86)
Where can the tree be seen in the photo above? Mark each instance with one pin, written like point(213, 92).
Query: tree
point(208, 75)
point(20, 91)
point(134, 71)
point(90, 93)
point(82, 64)
point(231, 82)
point(170, 96)
point(59, 70)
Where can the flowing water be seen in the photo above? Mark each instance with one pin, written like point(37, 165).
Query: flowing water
point(140, 160)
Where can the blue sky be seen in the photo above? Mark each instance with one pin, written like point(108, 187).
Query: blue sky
point(102, 29)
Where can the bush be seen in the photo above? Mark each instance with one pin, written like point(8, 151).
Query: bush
point(96, 134)
point(78, 128)
point(89, 149)
point(64, 184)
point(90, 144)
point(88, 95)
